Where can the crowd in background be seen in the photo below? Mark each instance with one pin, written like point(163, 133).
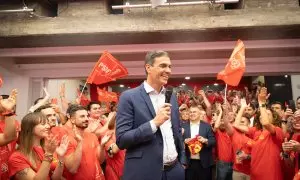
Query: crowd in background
point(250, 138)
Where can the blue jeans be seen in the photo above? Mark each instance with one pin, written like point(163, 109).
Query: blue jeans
point(224, 170)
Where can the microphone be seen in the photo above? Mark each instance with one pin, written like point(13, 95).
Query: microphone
point(169, 91)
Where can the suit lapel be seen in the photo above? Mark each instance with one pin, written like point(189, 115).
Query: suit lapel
point(147, 99)
point(201, 129)
point(188, 130)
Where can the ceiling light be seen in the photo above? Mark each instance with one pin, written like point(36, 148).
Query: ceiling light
point(121, 85)
point(183, 84)
point(279, 85)
point(286, 76)
point(216, 84)
point(187, 78)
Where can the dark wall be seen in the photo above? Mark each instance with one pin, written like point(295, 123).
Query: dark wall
point(280, 88)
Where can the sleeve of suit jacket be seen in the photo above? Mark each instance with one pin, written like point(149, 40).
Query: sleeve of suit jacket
point(127, 135)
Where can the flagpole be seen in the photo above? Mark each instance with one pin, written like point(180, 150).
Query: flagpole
point(82, 89)
point(225, 100)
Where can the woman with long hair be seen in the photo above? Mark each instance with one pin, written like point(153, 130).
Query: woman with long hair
point(114, 156)
point(36, 148)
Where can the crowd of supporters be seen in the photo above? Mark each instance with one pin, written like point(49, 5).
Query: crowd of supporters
point(245, 137)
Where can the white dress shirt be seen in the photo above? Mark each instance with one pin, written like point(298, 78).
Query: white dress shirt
point(252, 121)
point(158, 100)
point(194, 132)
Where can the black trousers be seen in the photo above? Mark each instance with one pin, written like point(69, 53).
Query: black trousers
point(196, 171)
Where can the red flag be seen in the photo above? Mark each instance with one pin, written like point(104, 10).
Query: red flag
point(105, 96)
point(194, 145)
point(106, 69)
point(235, 68)
point(113, 97)
point(84, 100)
point(102, 96)
point(1, 81)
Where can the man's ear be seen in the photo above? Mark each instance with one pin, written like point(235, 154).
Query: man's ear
point(147, 68)
point(72, 120)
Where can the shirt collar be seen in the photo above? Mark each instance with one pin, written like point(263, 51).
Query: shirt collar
point(195, 123)
point(150, 89)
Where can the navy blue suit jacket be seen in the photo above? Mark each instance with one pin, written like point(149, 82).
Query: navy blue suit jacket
point(205, 131)
point(144, 155)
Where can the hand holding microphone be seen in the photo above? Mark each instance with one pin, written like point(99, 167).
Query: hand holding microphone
point(164, 113)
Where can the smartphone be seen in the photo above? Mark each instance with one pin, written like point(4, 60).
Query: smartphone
point(292, 105)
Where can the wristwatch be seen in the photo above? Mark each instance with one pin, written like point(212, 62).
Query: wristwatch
point(263, 105)
point(8, 114)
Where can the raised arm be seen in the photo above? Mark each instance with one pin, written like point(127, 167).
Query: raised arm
point(60, 151)
point(41, 102)
point(64, 101)
point(7, 110)
point(218, 121)
point(265, 119)
point(101, 147)
point(239, 116)
point(206, 102)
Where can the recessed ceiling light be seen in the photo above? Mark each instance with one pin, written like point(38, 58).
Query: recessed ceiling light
point(187, 78)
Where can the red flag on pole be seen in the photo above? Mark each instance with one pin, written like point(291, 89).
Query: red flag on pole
point(235, 68)
point(106, 69)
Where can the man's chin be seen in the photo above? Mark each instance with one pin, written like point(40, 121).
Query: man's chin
point(164, 82)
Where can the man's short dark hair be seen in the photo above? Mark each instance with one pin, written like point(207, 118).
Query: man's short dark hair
point(298, 98)
point(73, 108)
point(247, 116)
point(151, 55)
point(4, 96)
point(277, 102)
point(37, 100)
point(89, 106)
point(46, 106)
point(254, 106)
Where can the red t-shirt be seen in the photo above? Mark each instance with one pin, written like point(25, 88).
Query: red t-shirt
point(240, 142)
point(296, 137)
point(61, 131)
point(224, 146)
point(89, 167)
point(18, 161)
point(265, 159)
point(6, 151)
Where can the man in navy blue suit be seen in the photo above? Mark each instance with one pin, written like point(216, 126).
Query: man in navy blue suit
point(199, 165)
point(149, 128)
